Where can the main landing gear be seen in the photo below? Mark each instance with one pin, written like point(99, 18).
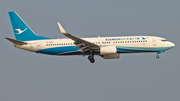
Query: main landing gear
point(91, 57)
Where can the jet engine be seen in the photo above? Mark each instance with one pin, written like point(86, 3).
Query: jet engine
point(111, 56)
point(108, 50)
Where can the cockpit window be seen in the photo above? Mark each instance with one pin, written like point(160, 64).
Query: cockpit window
point(164, 40)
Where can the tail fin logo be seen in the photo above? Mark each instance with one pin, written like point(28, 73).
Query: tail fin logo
point(20, 31)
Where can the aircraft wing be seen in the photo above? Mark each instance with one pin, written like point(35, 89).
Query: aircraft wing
point(82, 44)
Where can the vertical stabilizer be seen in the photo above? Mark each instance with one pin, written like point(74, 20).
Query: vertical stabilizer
point(21, 30)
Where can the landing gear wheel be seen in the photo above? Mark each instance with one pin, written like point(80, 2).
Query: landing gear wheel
point(91, 59)
point(157, 56)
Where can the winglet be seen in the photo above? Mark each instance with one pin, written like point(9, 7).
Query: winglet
point(61, 28)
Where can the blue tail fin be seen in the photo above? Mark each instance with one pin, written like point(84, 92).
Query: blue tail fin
point(21, 30)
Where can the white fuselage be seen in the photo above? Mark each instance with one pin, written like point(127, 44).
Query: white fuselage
point(124, 44)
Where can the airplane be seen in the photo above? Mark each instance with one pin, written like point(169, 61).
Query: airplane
point(106, 47)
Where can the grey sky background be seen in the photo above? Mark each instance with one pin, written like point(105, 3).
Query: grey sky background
point(26, 76)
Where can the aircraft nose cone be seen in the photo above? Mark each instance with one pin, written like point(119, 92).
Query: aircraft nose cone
point(171, 44)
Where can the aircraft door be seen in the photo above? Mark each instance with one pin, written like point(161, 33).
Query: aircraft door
point(34, 46)
point(38, 46)
point(154, 42)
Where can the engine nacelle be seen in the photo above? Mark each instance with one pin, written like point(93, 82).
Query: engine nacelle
point(108, 50)
point(111, 56)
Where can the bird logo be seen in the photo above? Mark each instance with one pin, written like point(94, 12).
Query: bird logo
point(20, 31)
point(144, 38)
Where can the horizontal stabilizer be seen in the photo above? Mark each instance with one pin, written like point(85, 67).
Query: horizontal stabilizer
point(16, 41)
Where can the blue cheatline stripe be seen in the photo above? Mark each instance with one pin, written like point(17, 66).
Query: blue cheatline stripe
point(141, 49)
point(120, 50)
point(21, 30)
point(71, 50)
point(60, 50)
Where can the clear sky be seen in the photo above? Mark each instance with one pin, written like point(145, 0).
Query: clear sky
point(26, 76)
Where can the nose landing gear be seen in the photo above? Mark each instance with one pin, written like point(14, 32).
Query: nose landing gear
point(157, 56)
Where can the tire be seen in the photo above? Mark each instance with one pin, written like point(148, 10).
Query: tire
point(157, 56)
